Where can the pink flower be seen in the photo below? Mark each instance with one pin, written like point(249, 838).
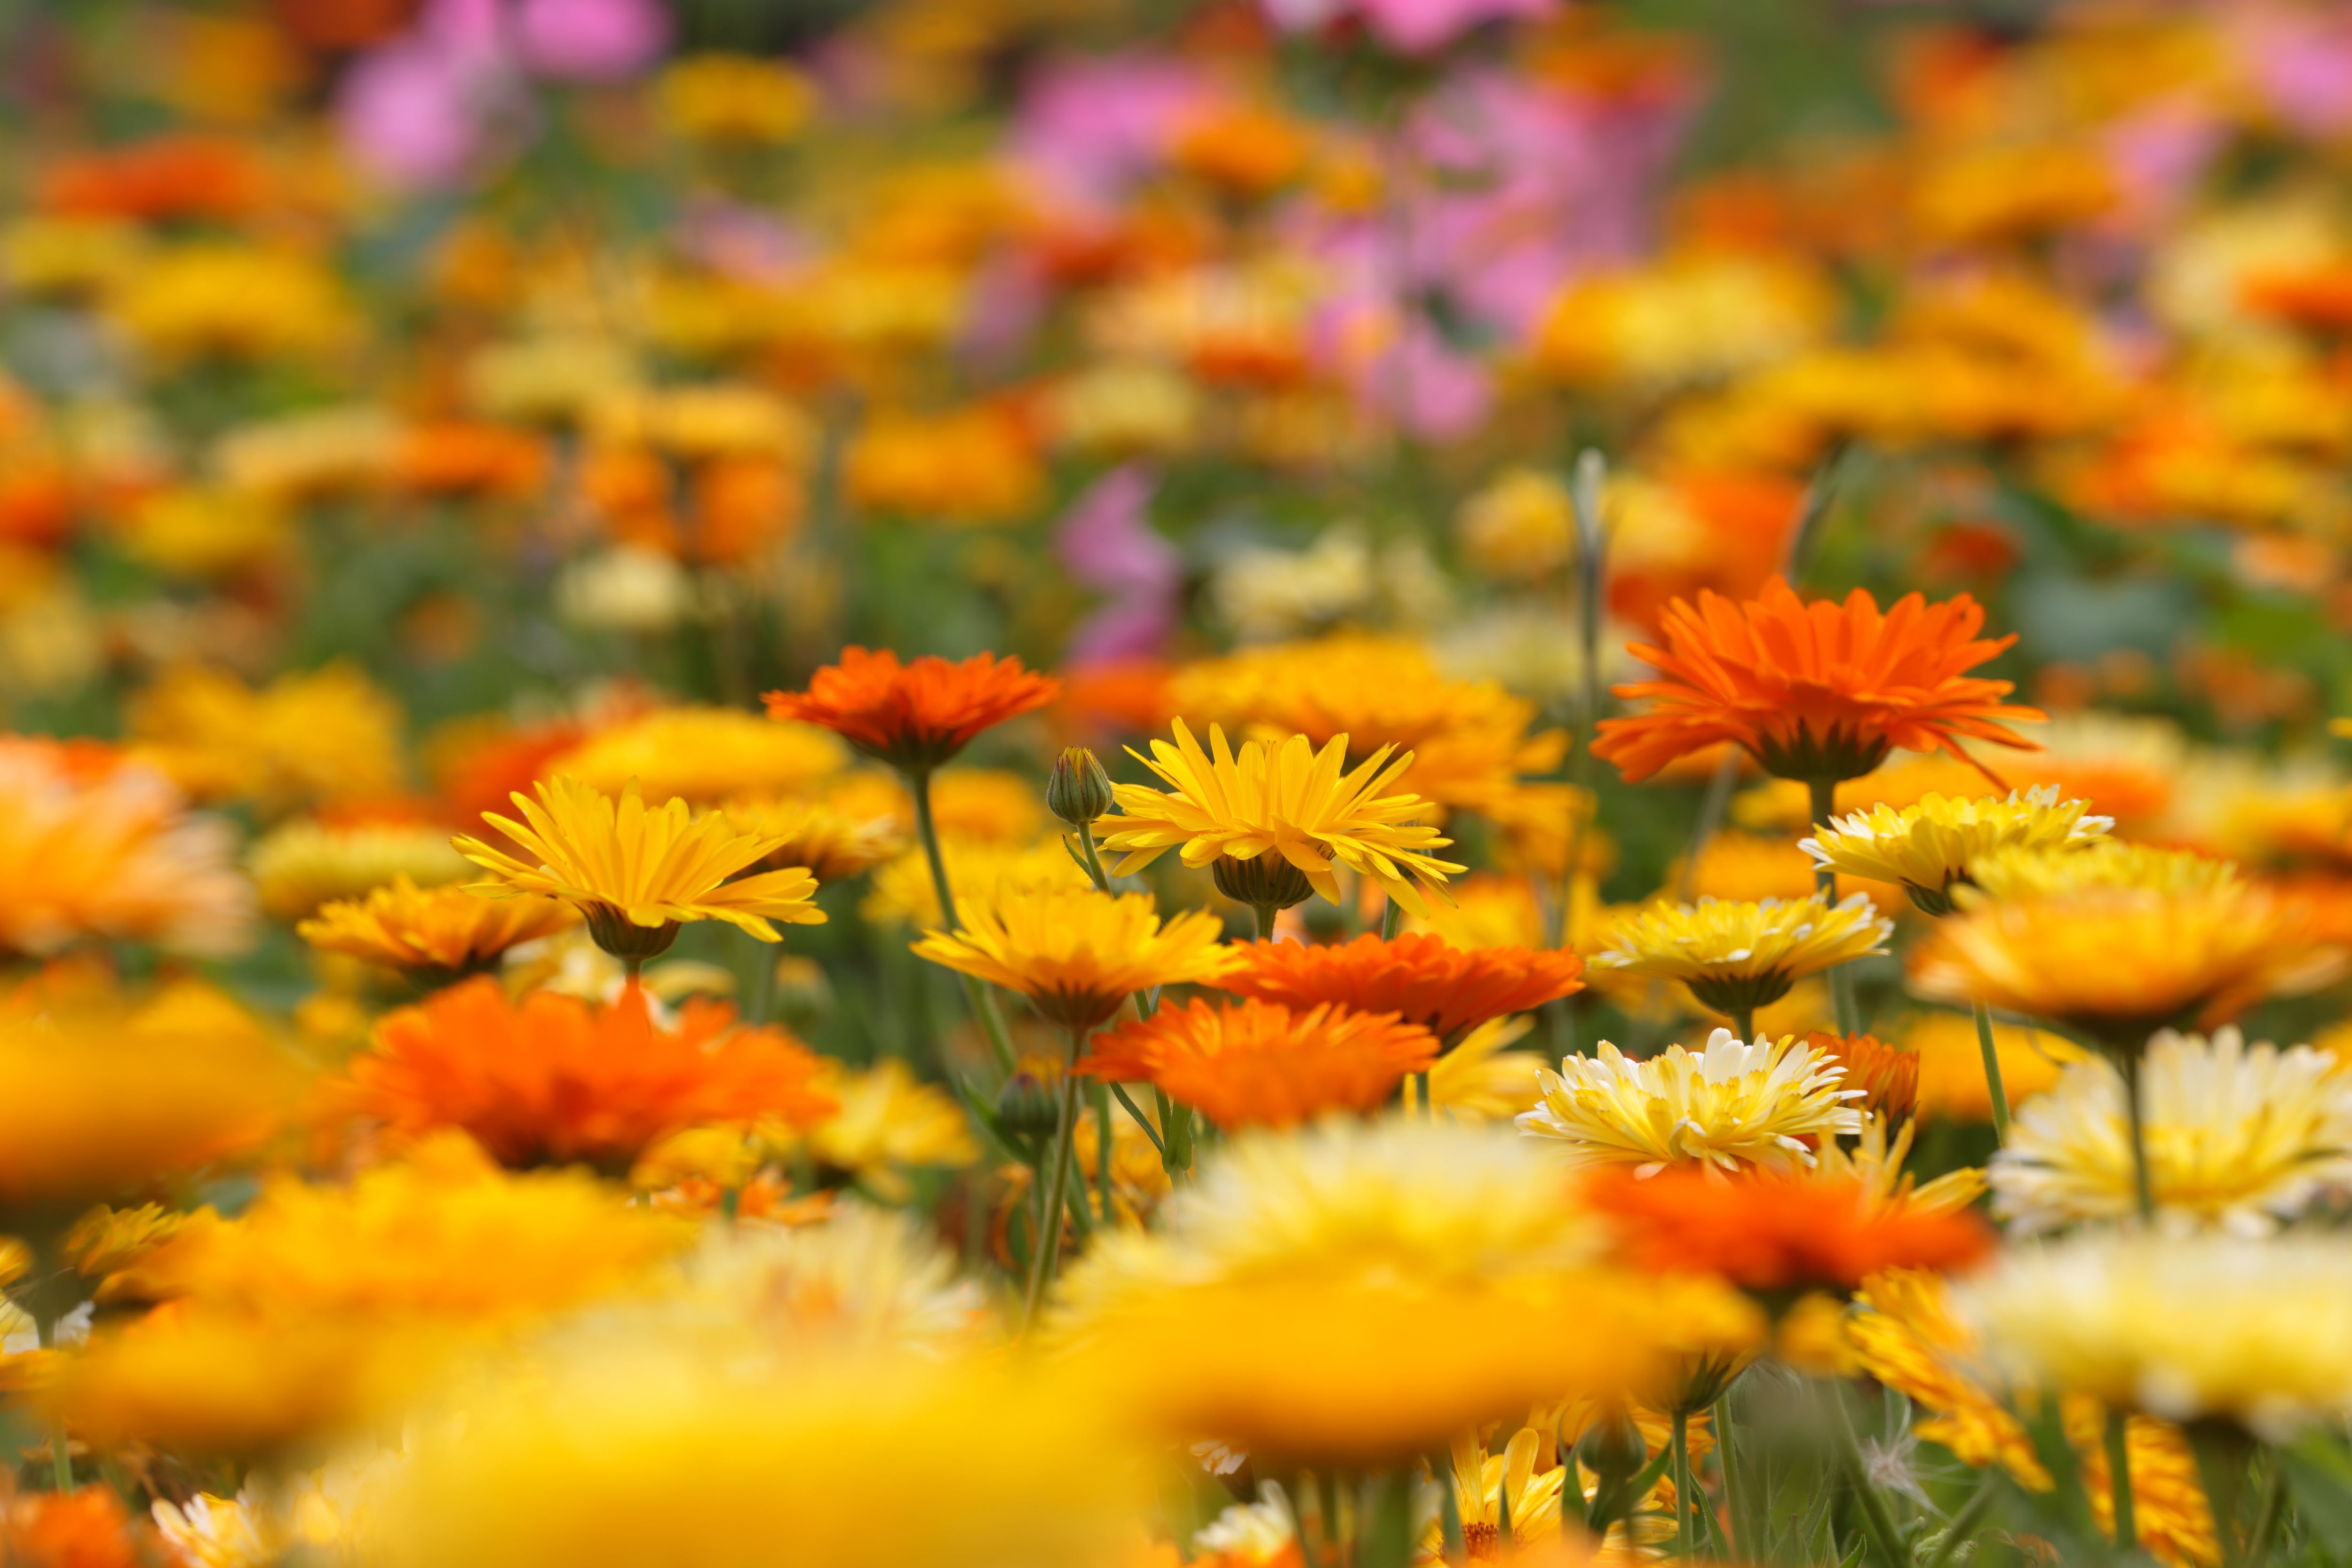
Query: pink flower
point(417, 113)
point(1407, 26)
point(590, 40)
point(1106, 542)
point(1088, 129)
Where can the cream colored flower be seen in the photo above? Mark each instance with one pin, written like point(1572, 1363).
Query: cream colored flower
point(1929, 844)
point(1736, 957)
point(2239, 1137)
point(1730, 1106)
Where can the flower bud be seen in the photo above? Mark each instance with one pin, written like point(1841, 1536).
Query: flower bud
point(1077, 790)
point(1613, 1448)
point(1025, 1106)
point(1264, 882)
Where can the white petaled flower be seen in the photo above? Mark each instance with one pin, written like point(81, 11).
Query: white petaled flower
point(1730, 1106)
point(2239, 1137)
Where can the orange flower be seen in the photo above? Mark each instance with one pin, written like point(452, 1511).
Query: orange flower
point(1777, 1233)
point(1253, 1064)
point(1422, 978)
point(1819, 691)
point(1887, 1075)
point(460, 459)
point(914, 716)
point(554, 1080)
point(86, 1529)
point(167, 177)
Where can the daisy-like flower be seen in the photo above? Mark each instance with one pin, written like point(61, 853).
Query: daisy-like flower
point(551, 1080)
point(2256, 1333)
point(441, 931)
point(1819, 691)
point(1424, 979)
point(1076, 955)
point(830, 843)
point(1779, 1235)
point(92, 848)
point(636, 874)
point(914, 716)
point(300, 868)
point(703, 754)
point(2017, 872)
point(1730, 1106)
point(2239, 1137)
point(2119, 963)
point(1289, 804)
point(1255, 1064)
point(1929, 846)
point(1737, 958)
point(1887, 1075)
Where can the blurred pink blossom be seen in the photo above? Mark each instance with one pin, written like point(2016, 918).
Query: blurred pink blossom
point(1407, 26)
point(2301, 61)
point(590, 40)
point(1087, 129)
point(1106, 542)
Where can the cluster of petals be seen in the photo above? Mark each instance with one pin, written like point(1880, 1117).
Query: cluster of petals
point(1422, 978)
point(1261, 1064)
point(916, 714)
point(1731, 1106)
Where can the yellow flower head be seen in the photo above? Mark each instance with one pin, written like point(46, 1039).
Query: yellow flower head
point(2016, 872)
point(330, 734)
point(1731, 1106)
point(1077, 954)
point(1905, 1334)
point(2238, 1137)
point(445, 928)
point(887, 1120)
point(1288, 800)
point(703, 754)
point(1930, 845)
point(737, 99)
point(828, 843)
point(635, 874)
point(2211, 1327)
point(979, 871)
point(306, 863)
point(1735, 957)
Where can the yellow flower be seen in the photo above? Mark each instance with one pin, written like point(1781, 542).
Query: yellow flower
point(444, 929)
point(205, 532)
point(2170, 1513)
point(980, 873)
point(736, 98)
point(2017, 872)
point(57, 258)
point(1875, 1165)
point(703, 754)
point(829, 844)
point(1931, 845)
point(1290, 801)
point(1730, 1106)
point(308, 864)
point(889, 1119)
point(1483, 1078)
point(328, 735)
point(1490, 1486)
point(636, 874)
point(326, 1515)
point(2238, 1137)
point(1903, 1330)
point(1951, 1064)
point(616, 1455)
point(230, 301)
point(1520, 526)
point(2212, 1327)
point(1076, 955)
point(309, 456)
point(1742, 867)
point(1736, 957)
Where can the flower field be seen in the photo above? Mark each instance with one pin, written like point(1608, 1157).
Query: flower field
point(1115, 784)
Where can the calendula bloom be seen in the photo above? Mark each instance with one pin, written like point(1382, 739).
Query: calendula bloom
point(636, 874)
point(1729, 1106)
point(551, 1080)
point(1813, 691)
point(85, 1529)
point(2256, 1333)
point(307, 863)
point(2170, 1513)
point(2119, 963)
point(1929, 846)
point(2239, 1137)
point(2017, 873)
point(830, 843)
point(1252, 1312)
point(886, 1121)
point(703, 754)
point(1076, 955)
point(1255, 1064)
point(914, 716)
point(1887, 1075)
point(96, 849)
point(330, 1511)
point(1737, 957)
point(1776, 1234)
point(1424, 979)
point(613, 1451)
point(1489, 1487)
point(904, 891)
point(105, 1095)
point(441, 930)
point(328, 735)
point(1290, 802)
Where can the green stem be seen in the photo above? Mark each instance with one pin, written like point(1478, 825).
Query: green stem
point(1391, 916)
point(1135, 1110)
point(1993, 1071)
point(1176, 1153)
point(1094, 862)
point(1956, 1534)
point(45, 1329)
point(1428, 1106)
point(1266, 913)
point(1049, 1249)
point(1744, 1536)
point(2120, 1481)
point(976, 993)
point(1457, 1545)
point(2267, 1513)
point(1681, 1448)
point(1743, 1021)
point(1876, 1523)
point(1386, 1530)
point(1101, 1096)
point(1840, 981)
point(2127, 1064)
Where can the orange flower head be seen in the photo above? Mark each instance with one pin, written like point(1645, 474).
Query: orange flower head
point(1258, 1063)
point(441, 930)
point(1424, 979)
point(914, 716)
point(85, 1529)
point(1778, 1236)
point(1888, 1076)
point(554, 1080)
point(1819, 691)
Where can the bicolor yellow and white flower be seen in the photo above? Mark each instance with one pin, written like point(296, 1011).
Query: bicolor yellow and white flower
point(1928, 845)
point(1731, 1106)
point(1739, 956)
point(2239, 1137)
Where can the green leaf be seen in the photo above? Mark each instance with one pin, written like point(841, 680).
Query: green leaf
point(2319, 1473)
